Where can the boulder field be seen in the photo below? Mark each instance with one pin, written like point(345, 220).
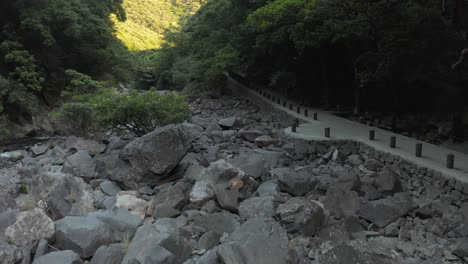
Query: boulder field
point(225, 187)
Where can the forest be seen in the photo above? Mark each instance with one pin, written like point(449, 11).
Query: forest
point(379, 56)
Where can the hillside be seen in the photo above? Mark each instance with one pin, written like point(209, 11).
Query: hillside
point(148, 20)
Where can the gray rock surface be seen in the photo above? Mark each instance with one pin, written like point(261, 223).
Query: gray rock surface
point(30, 226)
point(59, 257)
point(257, 207)
point(300, 215)
point(80, 164)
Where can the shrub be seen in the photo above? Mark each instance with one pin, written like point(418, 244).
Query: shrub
point(136, 112)
point(74, 118)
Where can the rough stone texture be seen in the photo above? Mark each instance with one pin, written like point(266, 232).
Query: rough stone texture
point(153, 157)
point(293, 182)
point(122, 223)
point(9, 254)
point(82, 234)
point(219, 222)
point(80, 164)
point(109, 188)
point(38, 150)
point(388, 181)
point(131, 203)
point(384, 211)
point(257, 241)
point(355, 253)
point(301, 215)
point(230, 123)
point(257, 207)
point(59, 257)
point(30, 226)
point(341, 203)
point(265, 141)
point(111, 254)
point(91, 146)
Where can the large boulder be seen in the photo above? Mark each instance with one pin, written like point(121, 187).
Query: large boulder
point(341, 202)
point(300, 215)
point(257, 241)
point(219, 222)
point(109, 254)
point(59, 257)
point(9, 254)
point(80, 164)
point(385, 211)
point(152, 157)
point(122, 223)
point(297, 183)
point(170, 197)
point(357, 252)
point(30, 226)
point(64, 194)
point(257, 207)
point(82, 234)
point(155, 244)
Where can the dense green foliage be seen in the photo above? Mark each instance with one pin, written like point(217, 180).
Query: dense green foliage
point(40, 40)
point(370, 55)
point(120, 111)
point(149, 20)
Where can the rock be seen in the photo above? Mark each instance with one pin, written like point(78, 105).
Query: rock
point(461, 248)
point(355, 159)
point(257, 241)
point(193, 172)
point(30, 226)
point(41, 249)
point(202, 191)
point(64, 195)
point(154, 156)
point(171, 197)
point(356, 252)
point(59, 257)
point(115, 143)
point(228, 199)
point(388, 181)
point(268, 188)
point(250, 135)
point(80, 164)
point(341, 203)
point(131, 203)
point(82, 234)
point(209, 239)
point(109, 187)
point(230, 123)
point(265, 141)
point(219, 222)
point(38, 150)
point(152, 245)
point(13, 156)
point(300, 215)
point(122, 223)
point(9, 254)
point(7, 218)
point(252, 164)
point(109, 254)
point(201, 121)
point(257, 207)
point(91, 146)
point(384, 211)
point(293, 182)
point(6, 201)
point(213, 127)
point(372, 165)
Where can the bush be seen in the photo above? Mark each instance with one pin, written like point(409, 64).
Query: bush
point(139, 113)
point(136, 112)
point(74, 118)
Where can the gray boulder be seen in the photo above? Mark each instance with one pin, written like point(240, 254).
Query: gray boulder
point(152, 157)
point(9, 254)
point(257, 241)
point(171, 197)
point(38, 149)
point(153, 245)
point(257, 207)
point(265, 141)
point(384, 211)
point(219, 222)
point(250, 135)
point(82, 234)
point(230, 123)
point(122, 223)
point(109, 187)
point(356, 252)
point(294, 182)
point(341, 203)
point(252, 164)
point(30, 226)
point(268, 188)
point(59, 257)
point(461, 248)
point(388, 182)
point(109, 254)
point(80, 164)
point(300, 215)
point(228, 199)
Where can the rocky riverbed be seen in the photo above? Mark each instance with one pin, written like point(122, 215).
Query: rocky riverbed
point(227, 187)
